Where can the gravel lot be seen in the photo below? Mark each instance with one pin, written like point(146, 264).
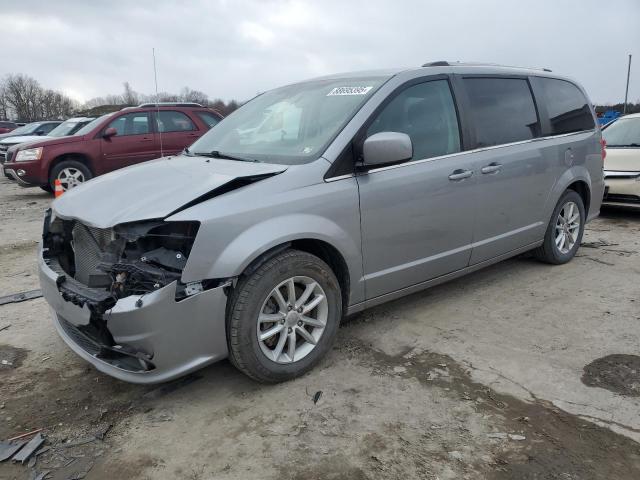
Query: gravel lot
point(483, 377)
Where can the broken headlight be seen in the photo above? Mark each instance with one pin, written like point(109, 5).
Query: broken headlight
point(146, 256)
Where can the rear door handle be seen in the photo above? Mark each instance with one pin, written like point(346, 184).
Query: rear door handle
point(460, 174)
point(491, 168)
point(145, 139)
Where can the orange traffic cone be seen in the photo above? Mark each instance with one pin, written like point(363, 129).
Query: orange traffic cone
point(58, 190)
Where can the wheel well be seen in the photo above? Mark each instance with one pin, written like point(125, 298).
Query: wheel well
point(582, 189)
point(323, 250)
point(78, 157)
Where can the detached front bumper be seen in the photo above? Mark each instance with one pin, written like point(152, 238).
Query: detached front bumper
point(170, 338)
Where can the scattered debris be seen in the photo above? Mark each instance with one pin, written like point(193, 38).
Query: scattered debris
point(6, 363)
point(42, 475)
point(5, 327)
point(498, 435)
point(317, 396)
point(23, 435)
point(102, 432)
point(9, 449)
point(29, 449)
point(517, 437)
point(20, 297)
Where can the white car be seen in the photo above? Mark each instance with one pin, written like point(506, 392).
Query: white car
point(66, 128)
point(622, 163)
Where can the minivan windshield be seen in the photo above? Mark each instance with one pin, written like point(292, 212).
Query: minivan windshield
point(70, 127)
point(289, 125)
point(92, 124)
point(623, 133)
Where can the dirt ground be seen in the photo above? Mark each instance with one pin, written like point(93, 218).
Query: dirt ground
point(519, 371)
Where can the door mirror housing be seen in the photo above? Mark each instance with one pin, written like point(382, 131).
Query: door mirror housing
point(39, 132)
point(387, 147)
point(110, 132)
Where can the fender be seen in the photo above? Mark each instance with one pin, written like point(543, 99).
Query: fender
point(573, 174)
point(259, 238)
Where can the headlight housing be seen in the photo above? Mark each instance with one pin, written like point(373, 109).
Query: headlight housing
point(29, 154)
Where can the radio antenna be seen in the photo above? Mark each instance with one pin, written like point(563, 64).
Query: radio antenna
point(155, 78)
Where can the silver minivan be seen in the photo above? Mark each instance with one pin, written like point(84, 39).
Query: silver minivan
point(312, 202)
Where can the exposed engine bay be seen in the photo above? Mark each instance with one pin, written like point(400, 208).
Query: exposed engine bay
point(99, 266)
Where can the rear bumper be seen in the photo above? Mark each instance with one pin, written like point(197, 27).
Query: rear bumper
point(175, 337)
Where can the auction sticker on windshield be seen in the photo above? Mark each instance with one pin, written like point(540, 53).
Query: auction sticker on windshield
point(349, 91)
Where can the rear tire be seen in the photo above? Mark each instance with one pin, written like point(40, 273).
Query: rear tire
point(274, 337)
point(71, 173)
point(564, 232)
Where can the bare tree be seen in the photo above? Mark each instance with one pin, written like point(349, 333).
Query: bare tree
point(4, 106)
point(196, 96)
point(130, 97)
point(22, 94)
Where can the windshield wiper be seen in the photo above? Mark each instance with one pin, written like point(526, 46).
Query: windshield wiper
point(224, 156)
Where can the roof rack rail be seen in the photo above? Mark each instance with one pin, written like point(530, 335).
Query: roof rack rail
point(169, 104)
point(444, 63)
point(439, 63)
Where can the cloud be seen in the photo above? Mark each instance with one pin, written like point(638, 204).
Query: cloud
point(234, 49)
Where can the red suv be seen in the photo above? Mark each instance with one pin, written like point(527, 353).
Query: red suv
point(113, 141)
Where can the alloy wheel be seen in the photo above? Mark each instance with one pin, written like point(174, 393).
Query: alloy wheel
point(567, 227)
point(292, 319)
point(70, 177)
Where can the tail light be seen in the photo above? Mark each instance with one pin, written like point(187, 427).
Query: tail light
point(603, 149)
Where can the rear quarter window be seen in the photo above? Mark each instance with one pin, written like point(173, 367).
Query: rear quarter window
point(566, 105)
point(502, 110)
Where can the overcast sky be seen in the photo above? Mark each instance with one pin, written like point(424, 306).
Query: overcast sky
point(236, 48)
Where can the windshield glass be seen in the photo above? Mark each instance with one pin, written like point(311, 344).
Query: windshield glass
point(623, 133)
point(26, 129)
point(92, 124)
point(66, 128)
point(289, 125)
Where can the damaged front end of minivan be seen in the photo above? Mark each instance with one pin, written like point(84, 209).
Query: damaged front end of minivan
point(119, 301)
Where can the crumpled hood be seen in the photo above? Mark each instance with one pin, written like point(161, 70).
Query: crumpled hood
point(24, 139)
point(153, 189)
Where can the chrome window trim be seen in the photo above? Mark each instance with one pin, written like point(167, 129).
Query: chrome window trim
point(465, 152)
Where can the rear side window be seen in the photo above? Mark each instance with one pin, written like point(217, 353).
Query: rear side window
point(567, 106)
point(131, 124)
point(427, 114)
point(502, 110)
point(208, 118)
point(173, 121)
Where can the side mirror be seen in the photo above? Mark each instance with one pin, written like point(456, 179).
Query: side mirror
point(110, 132)
point(39, 132)
point(387, 147)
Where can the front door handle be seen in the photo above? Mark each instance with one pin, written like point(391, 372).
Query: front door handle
point(460, 174)
point(491, 168)
point(146, 139)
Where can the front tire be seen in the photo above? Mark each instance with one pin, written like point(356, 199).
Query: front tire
point(71, 173)
point(564, 232)
point(284, 317)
